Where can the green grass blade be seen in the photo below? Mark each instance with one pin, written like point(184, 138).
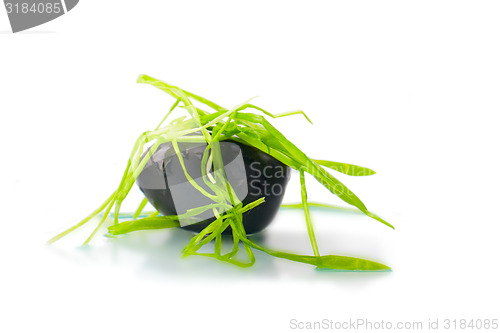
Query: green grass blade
point(278, 115)
point(326, 261)
point(148, 223)
point(307, 214)
point(84, 221)
point(163, 85)
point(139, 210)
point(378, 218)
point(168, 113)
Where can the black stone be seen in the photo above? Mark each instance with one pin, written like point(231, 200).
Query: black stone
point(263, 175)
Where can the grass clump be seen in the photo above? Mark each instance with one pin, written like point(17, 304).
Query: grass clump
point(245, 123)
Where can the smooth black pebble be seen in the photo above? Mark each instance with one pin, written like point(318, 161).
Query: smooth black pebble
point(251, 172)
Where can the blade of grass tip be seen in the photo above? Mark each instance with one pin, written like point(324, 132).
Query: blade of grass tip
point(375, 217)
point(278, 115)
point(345, 168)
point(327, 261)
point(344, 263)
point(155, 82)
point(139, 210)
point(291, 113)
point(109, 201)
point(168, 113)
point(82, 222)
point(310, 229)
point(104, 217)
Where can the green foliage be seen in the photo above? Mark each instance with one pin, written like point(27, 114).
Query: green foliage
point(211, 127)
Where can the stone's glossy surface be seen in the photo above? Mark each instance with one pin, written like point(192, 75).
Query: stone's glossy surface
point(165, 186)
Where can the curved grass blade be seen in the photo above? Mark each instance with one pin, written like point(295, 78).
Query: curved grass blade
point(310, 229)
point(84, 221)
point(278, 115)
point(163, 85)
point(139, 210)
point(168, 114)
point(326, 261)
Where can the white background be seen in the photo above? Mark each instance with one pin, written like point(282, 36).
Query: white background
point(410, 89)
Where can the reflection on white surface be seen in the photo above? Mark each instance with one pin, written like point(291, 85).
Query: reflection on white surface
point(158, 252)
